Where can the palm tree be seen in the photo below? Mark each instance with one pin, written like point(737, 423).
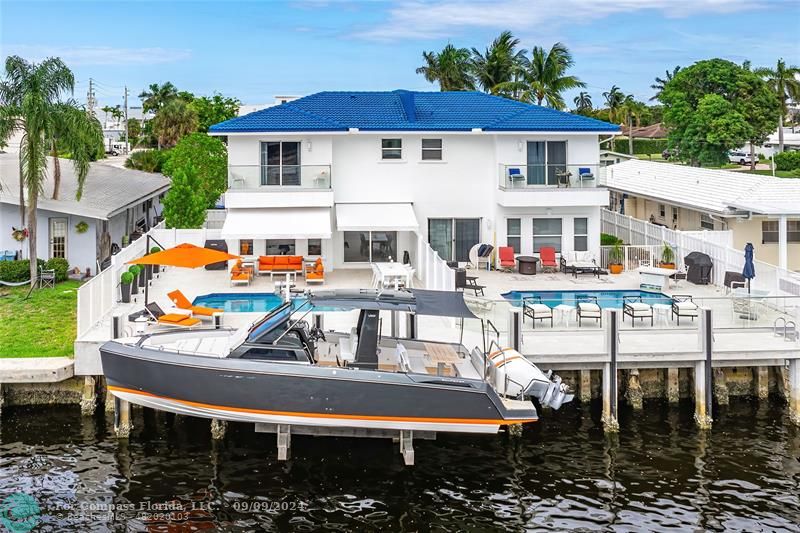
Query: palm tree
point(631, 109)
point(107, 109)
point(544, 76)
point(156, 96)
point(30, 95)
point(583, 102)
point(173, 121)
point(450, 67)
point(785, 84)
point(658, 86)
point(500, 64)
point(80, 134)
point(614, 99)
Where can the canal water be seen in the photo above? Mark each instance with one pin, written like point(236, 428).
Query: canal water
point(660, 472)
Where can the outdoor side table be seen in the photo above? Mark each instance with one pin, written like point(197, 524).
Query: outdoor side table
point(563, 314)
point(661, 312)
point(527, 264)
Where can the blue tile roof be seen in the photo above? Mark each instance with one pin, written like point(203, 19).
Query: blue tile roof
point(409, 111)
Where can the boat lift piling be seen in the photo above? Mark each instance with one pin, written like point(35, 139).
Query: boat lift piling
point(610, 390)
point(703, 382)
point(411, 325)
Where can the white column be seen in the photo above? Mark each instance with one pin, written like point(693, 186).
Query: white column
point(783, 251)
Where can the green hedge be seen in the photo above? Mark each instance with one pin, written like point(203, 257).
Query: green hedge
point(609, 240)
point(61, 266)
point(641, 146)
point(147, 160)
point(17, 271)
point(787, 160)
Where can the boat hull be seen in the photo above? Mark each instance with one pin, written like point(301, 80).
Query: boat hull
point(277, 393)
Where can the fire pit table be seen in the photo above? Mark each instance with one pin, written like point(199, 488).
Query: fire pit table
point(527, 264)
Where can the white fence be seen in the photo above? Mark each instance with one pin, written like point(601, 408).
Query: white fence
point(431, 269)
point(644, 241)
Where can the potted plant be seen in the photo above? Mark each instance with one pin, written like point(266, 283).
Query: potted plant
point(19, 234)
point(134, 270)
point(152, 269)
point(125, 281)
point(615, 256)
point(667, 257)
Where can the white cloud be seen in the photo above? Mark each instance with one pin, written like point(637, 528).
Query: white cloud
point(440, 18)
point(99, 55)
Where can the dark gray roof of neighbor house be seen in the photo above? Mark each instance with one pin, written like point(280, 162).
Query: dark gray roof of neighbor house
point(107, 190)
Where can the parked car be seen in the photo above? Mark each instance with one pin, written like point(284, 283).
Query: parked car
point(742, 158)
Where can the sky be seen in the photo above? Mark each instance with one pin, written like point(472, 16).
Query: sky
point(256, 49)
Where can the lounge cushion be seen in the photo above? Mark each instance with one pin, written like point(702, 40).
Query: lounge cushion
point(540, 309)
point(686, 308)
point(640, 308)
point(589, 309)
point(174, 318)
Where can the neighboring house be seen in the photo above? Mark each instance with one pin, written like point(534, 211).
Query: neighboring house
point(653, 131)
point(758, 209)
point(116, 202)
point(246, 109)
point(607, 157)
point(352, 176)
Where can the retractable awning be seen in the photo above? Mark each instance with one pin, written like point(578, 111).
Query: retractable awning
point(278, 223)
point(376, 217)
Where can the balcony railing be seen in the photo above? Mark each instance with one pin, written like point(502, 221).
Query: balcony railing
point(275, 177)
point(526, 177)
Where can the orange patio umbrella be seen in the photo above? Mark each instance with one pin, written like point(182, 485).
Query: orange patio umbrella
point(183, 255)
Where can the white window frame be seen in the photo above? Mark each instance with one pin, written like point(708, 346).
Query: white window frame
point(518, 236)
point(387, 149)
point(706, 222)
point(662, 211)
point(424, 150)
point(576, 235)
point(559, 235)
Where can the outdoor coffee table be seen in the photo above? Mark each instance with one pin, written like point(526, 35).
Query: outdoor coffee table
point(584, 269)
point(527, 265)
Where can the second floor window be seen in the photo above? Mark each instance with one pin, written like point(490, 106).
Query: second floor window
point(770, 232)
point(280, 163)
point(706, 222)
point(431, 149)
point(391, 149)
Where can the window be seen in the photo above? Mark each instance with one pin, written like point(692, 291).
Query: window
point(514, 234)
point(58, 237)
point(314, 246)
point(581, 234)
point(368, 247)
point(706, 222)
point(391, 148)
point(280, 247)
point(453, 238)
point(547, 162)
point(246, 247)
point(280, 163)
point(546, 232)
point(770, 232)
point(675, 214)
point(662, 210)
point(431, 149)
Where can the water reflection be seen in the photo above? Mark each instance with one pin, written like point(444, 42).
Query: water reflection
point(565, 473)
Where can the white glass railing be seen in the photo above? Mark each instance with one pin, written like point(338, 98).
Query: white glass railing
point(275, 177)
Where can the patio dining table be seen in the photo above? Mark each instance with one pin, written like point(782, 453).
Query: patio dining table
point(393, 273)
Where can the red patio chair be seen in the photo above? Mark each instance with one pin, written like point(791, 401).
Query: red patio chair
point(547, 257)
point(506, 256)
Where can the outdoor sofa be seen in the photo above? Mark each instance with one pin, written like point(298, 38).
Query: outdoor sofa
point(572, 261)
point(280, 264)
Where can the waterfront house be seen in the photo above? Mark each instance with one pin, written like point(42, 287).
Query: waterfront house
point(763, 210)
point(117, 204)
point(354, 177)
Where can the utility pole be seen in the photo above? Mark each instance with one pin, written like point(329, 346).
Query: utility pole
point(127, 133)
point(90, 99)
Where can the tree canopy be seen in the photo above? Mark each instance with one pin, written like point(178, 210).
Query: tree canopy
point(214, 109)
point(209, 158)
point(451, 68)
point(714, 106)
point(184, 207)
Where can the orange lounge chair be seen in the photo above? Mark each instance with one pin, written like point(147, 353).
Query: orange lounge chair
point(182, 302)
point(240, 276)
point(171, 319)
point(547, 257)
point(506, 256)
point(315, 273)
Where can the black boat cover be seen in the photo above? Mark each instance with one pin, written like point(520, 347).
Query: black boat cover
point(441, 303)
point(419, 301)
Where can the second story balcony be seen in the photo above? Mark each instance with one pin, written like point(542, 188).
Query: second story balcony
point(550, 185)
point(249, 186)
point(274, 177)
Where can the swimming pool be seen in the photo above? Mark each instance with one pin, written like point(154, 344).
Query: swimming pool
point(607, 299)
point(248, 302)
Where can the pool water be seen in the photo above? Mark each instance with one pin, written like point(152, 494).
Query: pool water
point(248, 302)
point(606, 299)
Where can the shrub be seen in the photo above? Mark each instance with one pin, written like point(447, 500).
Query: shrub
point(17, 271)
point(155, 249)
point(60, 266)
point(147, 160)
point(609, 240)
point(641, 146)
point(787, 160)
point(126, 278)
point(134, 270)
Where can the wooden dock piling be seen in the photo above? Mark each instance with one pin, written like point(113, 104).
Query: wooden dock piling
point(122, 419)
point(703, 375)
point(794, 391)
point(610, 386)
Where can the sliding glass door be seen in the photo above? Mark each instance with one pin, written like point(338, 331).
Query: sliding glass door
point(546, 161)
point(280, 163)
point(536, 163)
point(453, 238)
point(556, 161)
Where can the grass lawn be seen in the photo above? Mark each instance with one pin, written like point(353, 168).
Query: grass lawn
point(43, 325)
point(778, 173)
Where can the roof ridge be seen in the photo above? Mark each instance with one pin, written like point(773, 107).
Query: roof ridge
point(310, 114)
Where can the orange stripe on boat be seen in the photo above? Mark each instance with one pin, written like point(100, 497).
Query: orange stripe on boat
point(504, 361)
point(337, 416)
point(495, 354)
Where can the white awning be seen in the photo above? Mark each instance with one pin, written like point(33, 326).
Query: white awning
point(376, 217)
point(278, 223)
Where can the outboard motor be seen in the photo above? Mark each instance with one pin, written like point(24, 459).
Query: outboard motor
point(516, 376)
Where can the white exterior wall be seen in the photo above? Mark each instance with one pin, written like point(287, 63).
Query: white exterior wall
point(465, 184)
